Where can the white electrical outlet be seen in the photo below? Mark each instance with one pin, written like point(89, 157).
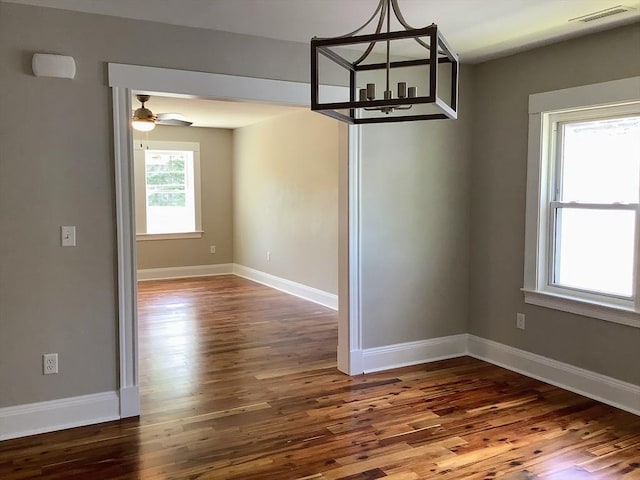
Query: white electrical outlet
point(520, 321)
point(268, 256)
point(50, 363)
point(212, 249)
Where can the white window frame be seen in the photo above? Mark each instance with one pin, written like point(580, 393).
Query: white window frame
point(139, 148)
point(545, 109)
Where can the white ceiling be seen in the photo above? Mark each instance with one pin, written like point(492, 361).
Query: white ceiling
point(477, 29)
point(216, 113)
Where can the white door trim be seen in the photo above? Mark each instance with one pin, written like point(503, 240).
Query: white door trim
point(125, 79)
point(129, 396)
point(354, 354)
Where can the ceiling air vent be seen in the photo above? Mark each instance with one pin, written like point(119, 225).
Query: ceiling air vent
point(607, 12)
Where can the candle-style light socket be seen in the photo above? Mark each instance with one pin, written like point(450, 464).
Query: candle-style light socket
point(363, 95)
point(371, 91)
point(388, 95)
point(402, 89)
point(413, 92)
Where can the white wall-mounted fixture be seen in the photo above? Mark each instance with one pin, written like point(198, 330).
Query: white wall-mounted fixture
point(47, 65)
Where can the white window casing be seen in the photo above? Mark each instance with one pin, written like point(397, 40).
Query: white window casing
point(546, 111)
point(139, 149)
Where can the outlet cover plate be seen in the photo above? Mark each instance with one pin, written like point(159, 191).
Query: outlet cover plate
point(50, 363)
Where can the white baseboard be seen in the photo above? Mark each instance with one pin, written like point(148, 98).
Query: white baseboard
point(602, 388)
point(185, 272)
point(350, 362)
point(413, 353)
point(298, 289)
point(42, 417)
point(129, 402)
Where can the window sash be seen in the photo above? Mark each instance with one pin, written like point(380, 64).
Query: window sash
point(595, 206)
point(560, 120)
point(553, 259)
point(555, 181)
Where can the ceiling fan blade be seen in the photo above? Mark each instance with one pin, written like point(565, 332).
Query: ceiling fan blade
point(174, 119)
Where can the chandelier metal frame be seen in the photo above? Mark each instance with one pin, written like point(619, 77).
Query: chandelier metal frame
point(437, 50)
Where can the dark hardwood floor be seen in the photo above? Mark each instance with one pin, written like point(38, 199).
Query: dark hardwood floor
point(239, 382)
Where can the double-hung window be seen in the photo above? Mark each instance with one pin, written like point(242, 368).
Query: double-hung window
point(167, 190)
point(582, 251)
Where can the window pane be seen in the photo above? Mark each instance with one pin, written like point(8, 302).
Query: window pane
point(595, 250)
point(601, 161)
point(163, 199)
point(166, 178)
point(170, 220)
point(170, 191)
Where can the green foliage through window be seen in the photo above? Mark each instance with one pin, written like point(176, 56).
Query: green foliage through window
point(166, 179)
point(167, 200)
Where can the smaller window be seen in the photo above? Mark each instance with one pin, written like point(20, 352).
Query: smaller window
point(167, 190)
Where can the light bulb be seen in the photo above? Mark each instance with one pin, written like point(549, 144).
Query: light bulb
point(143, 125)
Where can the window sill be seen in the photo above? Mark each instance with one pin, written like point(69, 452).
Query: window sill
point(610, 313)
point(168, 236)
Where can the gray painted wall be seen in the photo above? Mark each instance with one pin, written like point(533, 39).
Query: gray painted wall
point(56, 168)
point(285, 198)
point(216, 149)
point(415, 227)
point(498, 185)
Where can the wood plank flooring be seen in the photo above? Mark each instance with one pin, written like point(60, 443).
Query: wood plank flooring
point(239, 382)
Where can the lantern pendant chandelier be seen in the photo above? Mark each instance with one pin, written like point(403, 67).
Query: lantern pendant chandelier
point(435, 72)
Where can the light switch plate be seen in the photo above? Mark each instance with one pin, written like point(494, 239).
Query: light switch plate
point(68, 236)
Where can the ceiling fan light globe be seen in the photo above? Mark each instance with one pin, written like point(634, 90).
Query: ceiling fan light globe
point(143, 125)
point(143, 120)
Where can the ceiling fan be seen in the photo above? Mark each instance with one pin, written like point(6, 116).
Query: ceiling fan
point(145, 120)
